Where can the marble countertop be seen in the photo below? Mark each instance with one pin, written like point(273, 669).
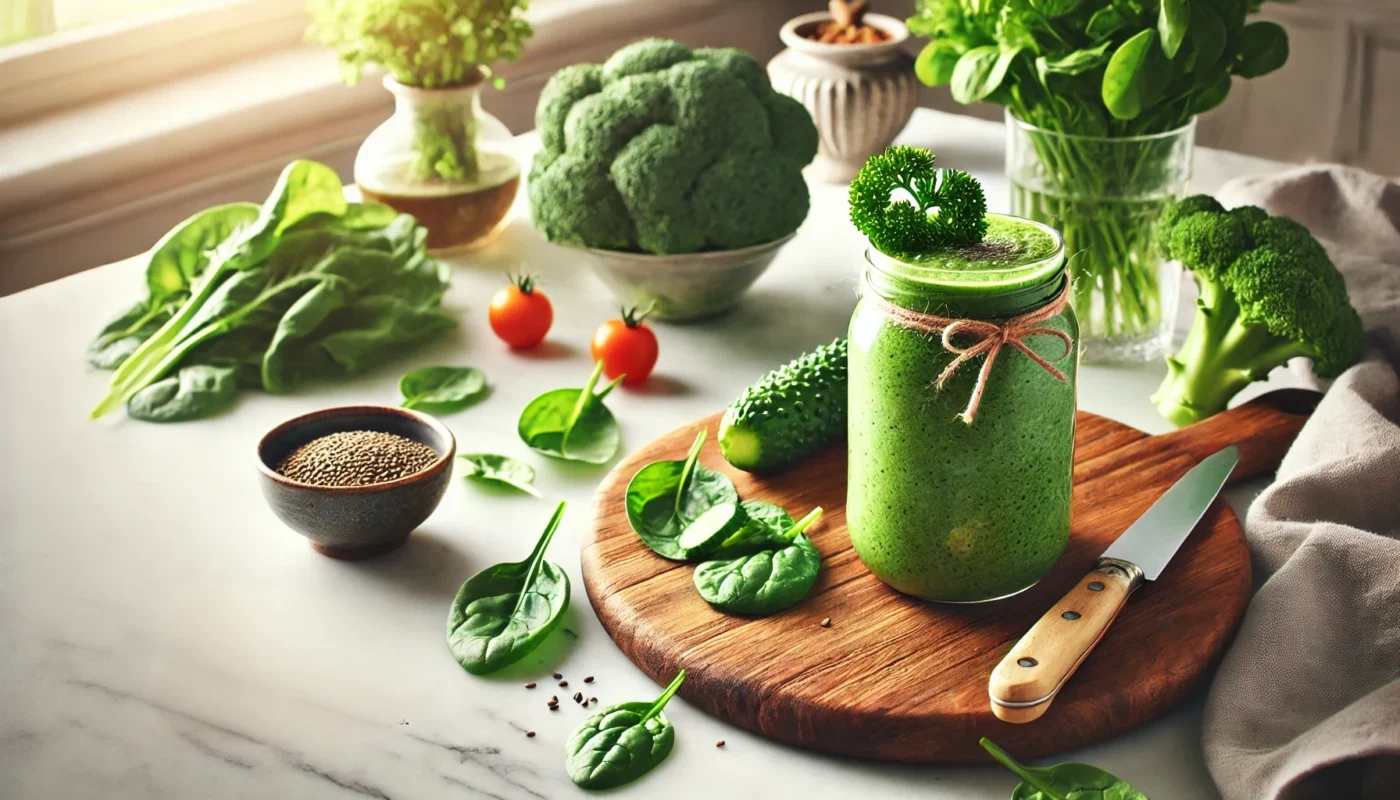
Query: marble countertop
point(162, 634)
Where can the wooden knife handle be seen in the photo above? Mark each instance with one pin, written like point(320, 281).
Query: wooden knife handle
point(1263, 429)
point(1025, 683)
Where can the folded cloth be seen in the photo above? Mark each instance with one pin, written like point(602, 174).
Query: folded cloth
point(1306, 704)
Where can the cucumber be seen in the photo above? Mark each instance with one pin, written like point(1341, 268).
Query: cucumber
point(713, 526)
point(790, 413)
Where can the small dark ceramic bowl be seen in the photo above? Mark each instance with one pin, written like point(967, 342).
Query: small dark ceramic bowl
point(354, 522)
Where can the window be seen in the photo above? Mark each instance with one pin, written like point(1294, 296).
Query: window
point(56, 54)
point(24, 20)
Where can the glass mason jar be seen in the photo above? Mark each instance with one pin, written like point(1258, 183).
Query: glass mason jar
point(938, 507)
point(444, 160)
point(1104, 194)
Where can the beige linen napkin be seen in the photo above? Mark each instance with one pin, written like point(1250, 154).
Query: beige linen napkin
point(1306, 704)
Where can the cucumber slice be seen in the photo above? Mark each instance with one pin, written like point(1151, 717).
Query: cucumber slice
point(713, 526)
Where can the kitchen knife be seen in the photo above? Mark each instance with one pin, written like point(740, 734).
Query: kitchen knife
point(1025, 682)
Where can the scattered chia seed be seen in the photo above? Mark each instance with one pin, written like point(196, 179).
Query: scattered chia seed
point(553, 699)
point(592, 699)
point(530, 734)
point(589, 679)
point(826, 623)
point(558, 675)
point(356, 458)
point(720, 743)
point(578, 697)
point(563, 683)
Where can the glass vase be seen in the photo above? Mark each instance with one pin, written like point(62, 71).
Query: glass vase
point(444, 160)
point(1104, 195)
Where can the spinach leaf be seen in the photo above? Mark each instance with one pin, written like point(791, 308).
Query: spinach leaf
point(1211, 96)
point(764, 529)
point(1069, 781)
point(621, 743)
point(193, 393)
point(1106, 22)
point(665, 496)
point(501, 469)
point(767, 581)
point(937, 61)
point(1076, 63)
point(1263, 49)
point(1207, 45)
point(442, 390)
point(572, 424)
point(1134, 76)
point(979, 72)
point(503, 612)
point(1172, 20)
point(1055, 8)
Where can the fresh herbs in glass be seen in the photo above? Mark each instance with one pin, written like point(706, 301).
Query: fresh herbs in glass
point(1100, 96)
point(440, 157)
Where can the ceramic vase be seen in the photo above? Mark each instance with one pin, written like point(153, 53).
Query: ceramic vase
point(860, 95)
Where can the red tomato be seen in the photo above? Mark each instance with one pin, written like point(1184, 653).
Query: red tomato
point(521, 314)
point(626, 347)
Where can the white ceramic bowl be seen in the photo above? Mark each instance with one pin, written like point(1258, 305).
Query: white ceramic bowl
point(684, 287)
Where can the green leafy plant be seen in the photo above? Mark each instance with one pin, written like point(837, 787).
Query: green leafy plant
point(572, 424)
point(1069, 781)
point(666, 496)
point(669, 150)
point(765, 526)
point(504, 612)
point(308, 286)
point(195, 392)
point(622, 742)
point(951, 212)
point(1088, 76)
point(442, 390)
point(1268, 293)
point(767, 581)
point(430, 44)
point(504, 470)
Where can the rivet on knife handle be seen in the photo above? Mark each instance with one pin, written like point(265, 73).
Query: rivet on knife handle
point(1025, 682)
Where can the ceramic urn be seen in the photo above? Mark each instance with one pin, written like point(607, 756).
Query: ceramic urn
point(860, 95)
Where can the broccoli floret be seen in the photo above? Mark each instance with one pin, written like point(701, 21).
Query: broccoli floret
point(666, 150)
point(1269, 293)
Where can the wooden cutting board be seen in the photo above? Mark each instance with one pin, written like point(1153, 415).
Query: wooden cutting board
point(899, 679)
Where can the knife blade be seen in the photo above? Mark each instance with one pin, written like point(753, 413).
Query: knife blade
point(1025, 683)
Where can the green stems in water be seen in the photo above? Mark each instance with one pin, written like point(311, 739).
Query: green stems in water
point(444, 142)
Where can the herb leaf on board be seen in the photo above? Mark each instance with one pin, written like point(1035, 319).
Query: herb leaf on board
point(503, 612)
point(442, 390)
point(665, 496)
point(764, 582)
point(572, 424)
point(1069, 781)
point(195, 392)
point(504, 470)
point(621, 743)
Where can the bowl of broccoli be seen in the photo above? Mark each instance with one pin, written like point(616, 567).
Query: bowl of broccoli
point(677, 171)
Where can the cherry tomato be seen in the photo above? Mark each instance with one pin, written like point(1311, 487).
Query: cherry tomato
point(520, 314)
point(626, 347)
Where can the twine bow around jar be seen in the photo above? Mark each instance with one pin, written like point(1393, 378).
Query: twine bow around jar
point(991, 338)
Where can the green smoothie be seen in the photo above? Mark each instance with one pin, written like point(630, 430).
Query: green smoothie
point(936, 507)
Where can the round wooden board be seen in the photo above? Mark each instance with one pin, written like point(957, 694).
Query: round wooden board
point(899, 679)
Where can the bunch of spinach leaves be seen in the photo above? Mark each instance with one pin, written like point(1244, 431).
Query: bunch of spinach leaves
point(622, 742)
point(763, 567)
point(304, 285)
point(1101, 71)
point(573, 424)
point(1069, 781)
point(503, 612)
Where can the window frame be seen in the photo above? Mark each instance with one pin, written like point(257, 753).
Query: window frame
point(65, 69)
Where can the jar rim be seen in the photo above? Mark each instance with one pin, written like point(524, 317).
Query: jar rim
point(989, 282)
point(1014, 121)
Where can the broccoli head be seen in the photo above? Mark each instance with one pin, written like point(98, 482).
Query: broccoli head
point(667, 150)
point(1269, 293)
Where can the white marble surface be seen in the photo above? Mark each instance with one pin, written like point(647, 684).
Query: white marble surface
point(163, 635)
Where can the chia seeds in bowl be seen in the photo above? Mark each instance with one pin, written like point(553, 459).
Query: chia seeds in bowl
point(356, 458)
point(356, 480)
